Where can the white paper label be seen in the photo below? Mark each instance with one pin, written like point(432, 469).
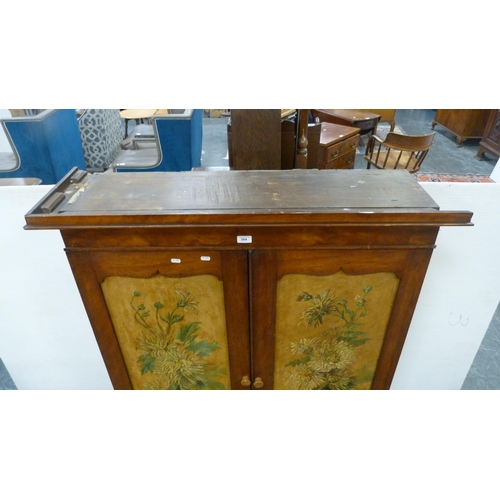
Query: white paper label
point(244, 239)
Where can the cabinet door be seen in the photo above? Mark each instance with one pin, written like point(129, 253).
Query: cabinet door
point(168, 319)
point(332, 319)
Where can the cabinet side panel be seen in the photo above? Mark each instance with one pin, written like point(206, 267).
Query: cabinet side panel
point(95, 305)
point(412, 278)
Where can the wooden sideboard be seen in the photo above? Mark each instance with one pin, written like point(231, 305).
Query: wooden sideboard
point(296, 279)
point(463, 123)
point(337, 146)
point(490, 142)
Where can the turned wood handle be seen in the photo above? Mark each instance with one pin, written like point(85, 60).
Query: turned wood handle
point(245, 381)
point(258, 383)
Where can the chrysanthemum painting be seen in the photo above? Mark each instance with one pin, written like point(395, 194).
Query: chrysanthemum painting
point(171, 331)
point(170, 347)
point(334, 340)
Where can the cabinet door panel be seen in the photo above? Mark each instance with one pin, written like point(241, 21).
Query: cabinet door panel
point(340, 316)
point(179, 318)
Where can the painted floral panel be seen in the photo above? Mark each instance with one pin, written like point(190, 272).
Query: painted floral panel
point(330, 329)
point(172, 331)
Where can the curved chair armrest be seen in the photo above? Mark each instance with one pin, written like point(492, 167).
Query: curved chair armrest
point(371, 143)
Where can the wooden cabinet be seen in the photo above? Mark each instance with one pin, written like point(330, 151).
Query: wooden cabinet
point(268, 139)
point(302, 279)
point(337, 146)
point(254, 139)
point(490, 142)
point(463, 123)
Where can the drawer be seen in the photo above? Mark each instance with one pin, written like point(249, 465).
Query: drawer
point(343, 162)
point(333, 152)
point(349, 145)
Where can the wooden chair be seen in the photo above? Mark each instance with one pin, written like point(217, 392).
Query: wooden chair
point(398, 151)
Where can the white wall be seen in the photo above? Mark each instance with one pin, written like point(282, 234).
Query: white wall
point(460, 294)
point(46, 341)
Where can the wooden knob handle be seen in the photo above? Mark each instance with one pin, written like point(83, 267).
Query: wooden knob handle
point(258, 383)
point(245, 381)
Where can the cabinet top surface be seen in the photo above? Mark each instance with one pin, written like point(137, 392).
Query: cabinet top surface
point(165, 196)
point(332, 133)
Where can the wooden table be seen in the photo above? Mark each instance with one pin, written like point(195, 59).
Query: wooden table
point(139, 115)
point(366, 122)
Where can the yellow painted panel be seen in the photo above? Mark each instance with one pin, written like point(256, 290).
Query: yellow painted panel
point(330, 329)
point(172, 331)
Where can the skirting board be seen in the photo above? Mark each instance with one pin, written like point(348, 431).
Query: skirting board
point(47, 341)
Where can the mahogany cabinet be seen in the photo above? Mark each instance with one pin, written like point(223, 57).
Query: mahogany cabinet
point(490, 142)
point(301, 279)
point(463, 123)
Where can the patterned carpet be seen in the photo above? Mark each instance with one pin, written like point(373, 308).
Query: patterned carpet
point(430, 177)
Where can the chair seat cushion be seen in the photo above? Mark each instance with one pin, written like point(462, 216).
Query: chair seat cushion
point(136, 158)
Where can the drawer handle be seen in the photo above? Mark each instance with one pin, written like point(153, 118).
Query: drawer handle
point(354, 145)
point(245, 381)
point(334, 154)
point(258, 383)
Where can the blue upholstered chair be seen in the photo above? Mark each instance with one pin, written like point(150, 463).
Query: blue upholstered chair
point(175, 142)
point(46, 145)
